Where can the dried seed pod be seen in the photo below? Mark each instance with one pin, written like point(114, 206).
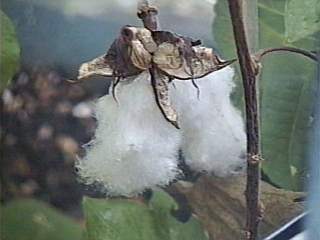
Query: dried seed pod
point(98, 66)
point(140, 45)
point(160, 84)
point(167, 57)
point(139, 56)
point(145, 37)
point(175, 55)
point(165, 54)
point(128, 55)
point(204, 61)
point(183, 45)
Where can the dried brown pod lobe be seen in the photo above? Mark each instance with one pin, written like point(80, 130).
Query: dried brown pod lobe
point(204, 62)
point(128, 55)
point(160, 85)
point(98, 66)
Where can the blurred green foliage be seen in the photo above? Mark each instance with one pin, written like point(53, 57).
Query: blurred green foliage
point(117, 219)
point(302, 19)
point(286, 88)
point(106, 219)
point(33, 220)
point(9, 51)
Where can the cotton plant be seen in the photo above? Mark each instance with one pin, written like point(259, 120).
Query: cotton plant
point(168, 93)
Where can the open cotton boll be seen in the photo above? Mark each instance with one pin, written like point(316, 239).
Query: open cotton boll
point(134, 146)
point(212, 128)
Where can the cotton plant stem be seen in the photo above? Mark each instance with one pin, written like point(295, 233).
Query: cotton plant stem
point(248, 72)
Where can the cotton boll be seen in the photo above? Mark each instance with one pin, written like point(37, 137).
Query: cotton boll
point(212, 129)
point(134, 146)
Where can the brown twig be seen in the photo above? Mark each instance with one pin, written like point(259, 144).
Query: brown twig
point(148, 15)
point(248, 73)
point(258, 56)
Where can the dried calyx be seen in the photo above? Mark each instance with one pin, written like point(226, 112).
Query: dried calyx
point(166, 55)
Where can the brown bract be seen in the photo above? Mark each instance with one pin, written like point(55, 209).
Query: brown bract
point(164, 54)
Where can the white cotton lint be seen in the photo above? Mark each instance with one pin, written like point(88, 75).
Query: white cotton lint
point(213, 137)
point(134, 146)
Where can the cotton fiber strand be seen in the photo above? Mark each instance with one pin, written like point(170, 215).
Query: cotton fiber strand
point(134, 146)
point(213, 137)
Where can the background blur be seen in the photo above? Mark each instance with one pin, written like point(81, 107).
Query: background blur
point(45, 120)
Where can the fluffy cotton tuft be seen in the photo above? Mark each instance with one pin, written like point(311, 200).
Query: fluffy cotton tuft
point(134, 146)
point(213, 137)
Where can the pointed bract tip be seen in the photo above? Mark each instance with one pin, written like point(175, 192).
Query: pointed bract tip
point(226, 63)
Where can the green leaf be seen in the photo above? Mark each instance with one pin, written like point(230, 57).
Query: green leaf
point(34, 220)
point(117, 219)
point(287, 86)
point(9, 51)
point(286, 94)
point(302, 19)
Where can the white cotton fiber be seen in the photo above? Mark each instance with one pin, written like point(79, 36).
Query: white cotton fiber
point(134, 146)
point(212, 128)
